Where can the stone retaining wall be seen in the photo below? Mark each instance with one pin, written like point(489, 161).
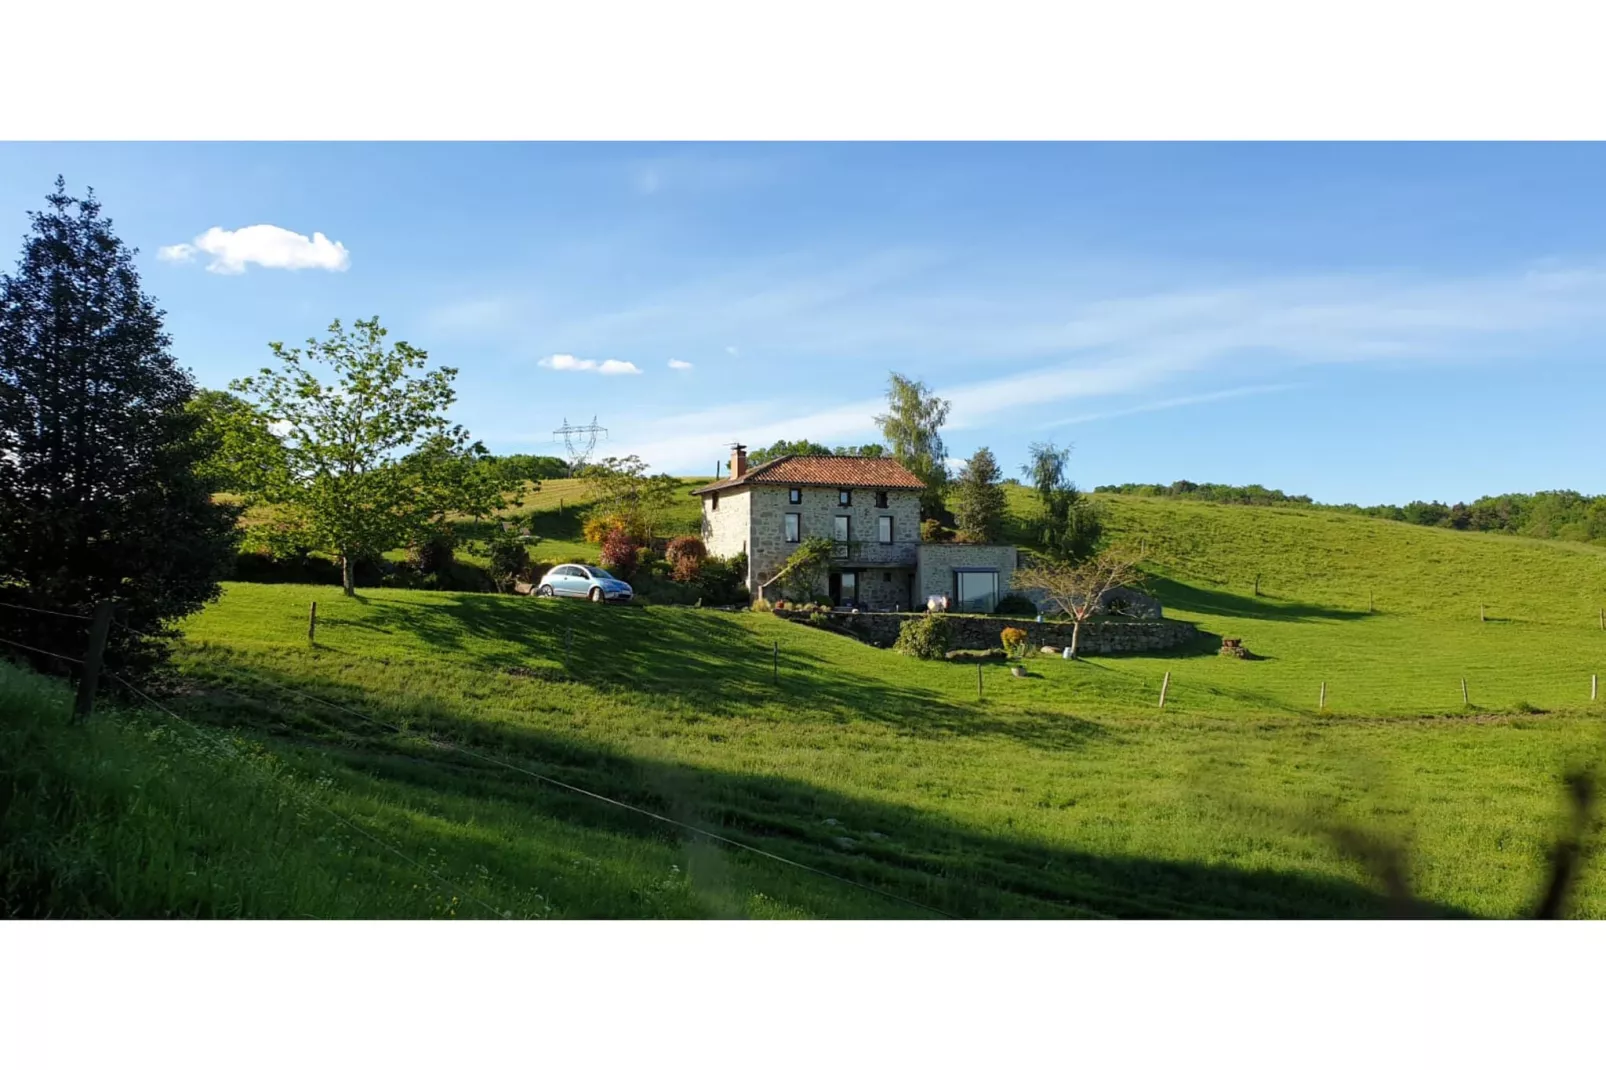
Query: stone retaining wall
point(1101, 636)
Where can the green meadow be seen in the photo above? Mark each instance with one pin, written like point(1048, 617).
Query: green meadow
point(416, 751)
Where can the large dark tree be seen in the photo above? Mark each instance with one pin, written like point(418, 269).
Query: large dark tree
point(99, 492)
point(978, 500)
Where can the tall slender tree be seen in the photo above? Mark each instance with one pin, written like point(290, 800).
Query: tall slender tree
point(1070, 526)
point(104, 493)
point(912, 426)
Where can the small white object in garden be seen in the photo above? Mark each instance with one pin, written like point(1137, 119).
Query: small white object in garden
point(1067, 654)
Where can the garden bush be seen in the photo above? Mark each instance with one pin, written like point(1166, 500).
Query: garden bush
point(1014, 641)
point(686, 554)
point(925, 637)
point(620, 553)
point(1015, 605)
point(509, 558)
point(434, 553)
point(931, 530)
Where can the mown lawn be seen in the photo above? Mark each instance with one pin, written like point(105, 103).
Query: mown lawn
point(1065, 794)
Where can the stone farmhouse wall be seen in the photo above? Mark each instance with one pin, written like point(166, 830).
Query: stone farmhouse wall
point(763, 526)
point(725, 530)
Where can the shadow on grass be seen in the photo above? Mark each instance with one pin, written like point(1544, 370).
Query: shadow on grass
point(704, 658)
point(897, 849)
point(1173, 594)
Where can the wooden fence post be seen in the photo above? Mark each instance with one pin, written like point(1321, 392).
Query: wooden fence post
point(1164, 684)
point(1594, 686)
point(1257, 585)
point(1321, 703)
point(312, 623)
point(1464, 700)
point(100, 624)
point(1481, 616)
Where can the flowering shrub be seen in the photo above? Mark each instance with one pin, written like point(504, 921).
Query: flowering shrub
point(598, 524)
point(685, 555)
point(1014, 640)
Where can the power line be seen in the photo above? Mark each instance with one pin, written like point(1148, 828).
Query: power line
point(554, 782)
point(353, 826)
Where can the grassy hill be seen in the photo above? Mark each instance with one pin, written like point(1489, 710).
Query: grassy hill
point(1064, 794)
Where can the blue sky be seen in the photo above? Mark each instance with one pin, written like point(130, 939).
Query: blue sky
point(1357, 322)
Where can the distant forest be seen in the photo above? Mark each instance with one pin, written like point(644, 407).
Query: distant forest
point(1550, 514)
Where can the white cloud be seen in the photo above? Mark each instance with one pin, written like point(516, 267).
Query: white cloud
point(564, 362)
point(680, 365)
point(264, 245)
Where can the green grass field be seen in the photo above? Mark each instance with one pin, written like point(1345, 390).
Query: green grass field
point(1064, 794)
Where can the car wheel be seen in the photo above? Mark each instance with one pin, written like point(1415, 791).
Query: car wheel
point(596, 594)
point(543, 591)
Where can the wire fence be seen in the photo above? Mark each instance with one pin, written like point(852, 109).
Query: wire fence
point(542, 778)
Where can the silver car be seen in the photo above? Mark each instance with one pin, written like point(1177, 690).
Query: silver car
point(583, 581)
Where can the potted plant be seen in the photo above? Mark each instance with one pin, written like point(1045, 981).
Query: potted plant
point(1014, 643)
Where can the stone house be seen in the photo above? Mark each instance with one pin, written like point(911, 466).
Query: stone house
point(870, 508)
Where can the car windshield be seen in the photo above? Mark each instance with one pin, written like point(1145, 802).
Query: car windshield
point(601, 574)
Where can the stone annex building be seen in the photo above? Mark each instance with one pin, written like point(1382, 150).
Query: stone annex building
point(870, 508)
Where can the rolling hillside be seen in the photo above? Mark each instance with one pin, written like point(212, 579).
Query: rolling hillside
point(1065, 794)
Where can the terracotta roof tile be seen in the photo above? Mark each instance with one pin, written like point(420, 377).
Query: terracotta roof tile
point(876, 473)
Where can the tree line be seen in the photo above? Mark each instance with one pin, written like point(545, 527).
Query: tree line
point(1552, 514)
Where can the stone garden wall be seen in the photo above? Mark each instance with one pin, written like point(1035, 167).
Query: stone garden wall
point(1100, 636)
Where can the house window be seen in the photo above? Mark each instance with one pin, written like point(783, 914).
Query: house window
point(880, 499)
point(842, 535)
point(883, 529)
point(849, 589)
point(794, 496)
point(886, 577)
point(794, 527)
point(976, 590)
point(844, 497)
point(713, 502)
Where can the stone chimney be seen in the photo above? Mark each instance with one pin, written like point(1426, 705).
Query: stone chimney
point(738, 461)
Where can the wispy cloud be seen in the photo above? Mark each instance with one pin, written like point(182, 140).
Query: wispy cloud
point(264, 245)
point(1063, 344)
point(565, 362)
point(680, 365)
point(700, 171)
point(1174, 403)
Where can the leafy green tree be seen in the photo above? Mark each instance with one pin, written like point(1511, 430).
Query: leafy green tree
point(978, 499)
point(869, 449)
point(369, 462)
point(237, 439)
point(782, 448)
point(623, 489)
point(105, 485)
point(1070, 525)
point(531, 468)
point(912, 425)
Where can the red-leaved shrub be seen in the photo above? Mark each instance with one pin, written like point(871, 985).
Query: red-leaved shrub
point(685, 555)
point(619, 552)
